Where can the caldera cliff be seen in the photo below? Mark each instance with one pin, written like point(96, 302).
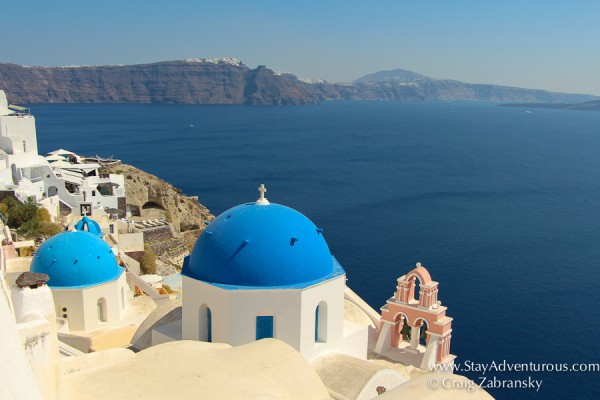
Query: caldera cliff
point(229, 81)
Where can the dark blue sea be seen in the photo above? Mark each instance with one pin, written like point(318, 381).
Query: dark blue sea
point(501, 205)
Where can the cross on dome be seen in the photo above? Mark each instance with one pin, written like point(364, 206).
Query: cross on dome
point(262, 200)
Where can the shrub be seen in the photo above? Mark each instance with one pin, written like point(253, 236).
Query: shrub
point(10, 202)
point(48, 229)
point(148, 260)
point(43, 214)
point(20, 214)
point(27, 251)
point(29, 219)
point(29, 228)
point(4, 209)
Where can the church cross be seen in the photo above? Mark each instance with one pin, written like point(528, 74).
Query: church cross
point(262, 199)
point(262, 189)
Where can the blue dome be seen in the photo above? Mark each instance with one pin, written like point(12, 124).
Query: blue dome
point(89, 225)
point(76, 259)
point(255, 245)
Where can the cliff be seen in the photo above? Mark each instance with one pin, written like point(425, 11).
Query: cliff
point(203, 81)
point(150, 198)
point(229, 81)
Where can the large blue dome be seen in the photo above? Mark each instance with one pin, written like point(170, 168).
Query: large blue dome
point(254, 245)
point(76, 259)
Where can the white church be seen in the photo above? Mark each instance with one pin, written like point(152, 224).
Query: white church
point(263, 270)
point(89, 288)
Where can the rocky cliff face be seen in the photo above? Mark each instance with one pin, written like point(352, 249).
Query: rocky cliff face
point(228, 81)
point(218, 81)
point(150, 197)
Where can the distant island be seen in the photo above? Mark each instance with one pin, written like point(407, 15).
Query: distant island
point(593, 105)
point(229, 81)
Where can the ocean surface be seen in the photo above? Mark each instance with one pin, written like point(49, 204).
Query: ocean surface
point(502, 205)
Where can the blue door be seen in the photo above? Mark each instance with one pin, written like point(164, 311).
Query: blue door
point(264, 327)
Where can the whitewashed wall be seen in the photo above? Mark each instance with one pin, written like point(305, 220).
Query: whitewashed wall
point(234, 312)
point(82, 304)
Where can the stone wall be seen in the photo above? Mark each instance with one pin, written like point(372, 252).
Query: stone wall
point(161, 233)
point(136, 255)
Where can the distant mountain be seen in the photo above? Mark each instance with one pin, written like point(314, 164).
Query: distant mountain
point(388, 83)
point(229, 81)
point(593, 105)
point(395, 75)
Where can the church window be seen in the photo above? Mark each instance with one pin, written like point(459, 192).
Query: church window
point(208, 325)
point(317, 324)
point(205, 323)
point(264, 327)
point(321, 322)
point(101, 308)
point(417, 291)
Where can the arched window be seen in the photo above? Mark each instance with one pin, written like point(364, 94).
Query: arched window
point(414, 289)
point(208, 325)
point(406, 332)
point(321, 322)
point(264, 327)
point(423, 334)
point(101, 309)
point(317, 324)
point(205, 323)
point(417, 293)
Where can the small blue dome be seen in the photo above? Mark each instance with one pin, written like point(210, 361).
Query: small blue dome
point(89, 225)
point(76, 259)
point(255, 245)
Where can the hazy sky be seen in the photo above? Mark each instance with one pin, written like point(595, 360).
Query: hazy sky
point(552, 45)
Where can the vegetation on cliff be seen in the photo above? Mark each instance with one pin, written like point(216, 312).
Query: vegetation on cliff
point(29, 219)
point(148, 260)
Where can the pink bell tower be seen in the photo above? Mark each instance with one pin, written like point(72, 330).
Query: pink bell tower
point(412, 315)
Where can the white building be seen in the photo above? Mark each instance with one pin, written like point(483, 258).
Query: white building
point(20, 165)
point(81, 185)
point(263, 270)
point(78, 185)
point(89, 287)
